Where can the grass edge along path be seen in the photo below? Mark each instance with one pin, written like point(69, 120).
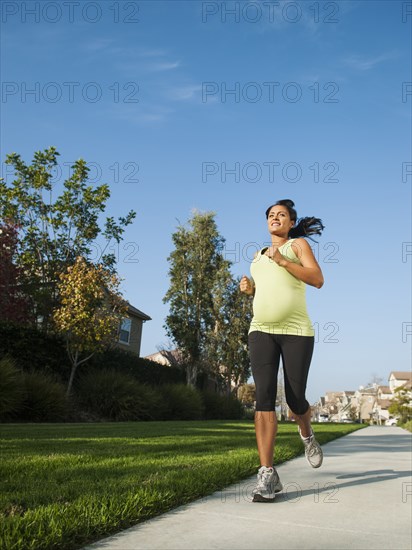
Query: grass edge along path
point(67, 485)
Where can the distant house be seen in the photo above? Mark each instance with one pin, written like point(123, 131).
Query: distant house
point(337, 406)
point(400, 378)
point(170, 358)
point(370, 404)
point(380, 411)
point(130, 334)
point(384, 392)
point(175, 358)
point(366, 399)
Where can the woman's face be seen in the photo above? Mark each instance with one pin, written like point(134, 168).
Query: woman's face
point(279, 222)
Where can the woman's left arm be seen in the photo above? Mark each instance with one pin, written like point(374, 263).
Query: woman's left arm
point(309, 272)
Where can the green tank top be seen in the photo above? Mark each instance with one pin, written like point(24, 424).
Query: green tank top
point(279, 303)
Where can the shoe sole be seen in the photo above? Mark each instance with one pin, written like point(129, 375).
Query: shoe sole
point(316, 465)
point(259, 498)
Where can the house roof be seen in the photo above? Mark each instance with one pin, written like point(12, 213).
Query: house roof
point(401, 375)
point(137, 313)
point(332, 395)
point(385, 389)
point(367, 391)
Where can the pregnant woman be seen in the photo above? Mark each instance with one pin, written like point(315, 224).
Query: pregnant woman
point(281, 327)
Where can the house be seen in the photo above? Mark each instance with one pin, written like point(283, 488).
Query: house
point(321, 411)
point(130, 334)
point(169, 358)
point(365, 399)
point(337, 406)
point(380, 412)
point(400, 378)
point(384, 392)
point(348, 405)
point(333, 404)
point(370, 404)
point(175, 358)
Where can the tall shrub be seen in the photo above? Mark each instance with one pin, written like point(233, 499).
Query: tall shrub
point(12, 391)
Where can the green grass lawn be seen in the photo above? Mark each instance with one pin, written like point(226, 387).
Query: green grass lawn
point(64, 485)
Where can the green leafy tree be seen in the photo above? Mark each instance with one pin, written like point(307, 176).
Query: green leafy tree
point(195, 264)
point(55, 230)
point(401, 404)
point(90, 312)
point(227, 343)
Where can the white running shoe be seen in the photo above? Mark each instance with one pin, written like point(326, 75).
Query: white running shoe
point(268, 484)
point(313, 451)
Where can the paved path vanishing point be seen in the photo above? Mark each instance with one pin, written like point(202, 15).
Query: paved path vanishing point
point(361, 498)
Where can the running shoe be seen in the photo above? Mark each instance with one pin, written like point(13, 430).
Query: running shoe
point(313, 451)
point(268, 484)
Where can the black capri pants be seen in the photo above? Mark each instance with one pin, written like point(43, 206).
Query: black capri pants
point(265, 350)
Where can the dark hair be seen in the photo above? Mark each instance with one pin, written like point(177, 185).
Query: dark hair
point(305, 227)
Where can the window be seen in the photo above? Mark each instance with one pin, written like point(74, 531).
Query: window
point(125, 330)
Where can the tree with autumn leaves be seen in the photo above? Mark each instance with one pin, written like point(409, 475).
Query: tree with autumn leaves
point(90, 311)
point(15, 306)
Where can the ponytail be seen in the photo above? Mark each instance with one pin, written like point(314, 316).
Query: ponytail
point(306, 226)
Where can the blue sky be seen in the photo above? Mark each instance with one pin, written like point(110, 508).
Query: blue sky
point(320, 112)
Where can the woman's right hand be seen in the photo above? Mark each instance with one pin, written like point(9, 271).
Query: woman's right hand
point(246, 285)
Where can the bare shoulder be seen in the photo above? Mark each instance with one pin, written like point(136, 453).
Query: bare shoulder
point(299, 246)
point(304, 252)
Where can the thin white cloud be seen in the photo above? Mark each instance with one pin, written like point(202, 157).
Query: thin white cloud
point(164, 66)
point(365, 63)
point(128, 59)
point(147, 60)
point(151, 53)
point(184, 93)
point(152, 114)
point(98, 44)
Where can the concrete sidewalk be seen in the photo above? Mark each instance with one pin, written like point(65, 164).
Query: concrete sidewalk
point(360, 498)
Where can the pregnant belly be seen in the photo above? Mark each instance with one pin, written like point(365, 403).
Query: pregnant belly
point(274, 309)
